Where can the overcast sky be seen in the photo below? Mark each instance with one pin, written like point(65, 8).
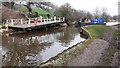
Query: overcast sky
point(90, 5)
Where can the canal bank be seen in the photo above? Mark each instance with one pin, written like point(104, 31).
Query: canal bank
point(91, 53)
point(103, 51)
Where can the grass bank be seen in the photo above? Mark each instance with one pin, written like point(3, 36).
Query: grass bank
point(96, 31)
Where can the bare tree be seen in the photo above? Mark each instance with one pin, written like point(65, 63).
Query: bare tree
point(82, 14)
point(104, 13)
point(72, 14)
point(28, 6)
point(96, 12)
point(89, 15)
point(65, 11)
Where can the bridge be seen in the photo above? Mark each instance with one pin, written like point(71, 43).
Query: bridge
point(28, 24)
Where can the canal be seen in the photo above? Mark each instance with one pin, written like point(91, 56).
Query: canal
point(36, 47)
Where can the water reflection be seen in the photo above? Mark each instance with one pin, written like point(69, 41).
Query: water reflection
point(36, 47)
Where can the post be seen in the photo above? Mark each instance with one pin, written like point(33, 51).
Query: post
point(44, 21)
point(51, 19)
point(6, 27)
point(55, 18)
point(41, 19)
point(21, 21)
point(59, 19)
point(29, 21)
point(12, 22)
point(47, 19)
point(63, 19)
point(7, 21)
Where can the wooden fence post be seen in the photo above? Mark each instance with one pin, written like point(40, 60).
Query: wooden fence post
point(21, 21)
point(7, 21)
point(55, 18)
point(12, 22)
point(29, 21)
point(41, 19)
point(47, 19)
point(44, 21)
point(59, 19)
point(63, 18)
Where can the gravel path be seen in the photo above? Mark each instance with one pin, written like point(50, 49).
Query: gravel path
point(91, 55)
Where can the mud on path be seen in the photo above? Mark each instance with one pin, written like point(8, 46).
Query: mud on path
point(94, 53)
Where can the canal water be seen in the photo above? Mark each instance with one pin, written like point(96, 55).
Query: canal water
point(33, 48)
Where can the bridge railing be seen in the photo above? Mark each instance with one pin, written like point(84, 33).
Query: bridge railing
point(12, 22)
point(16, 21)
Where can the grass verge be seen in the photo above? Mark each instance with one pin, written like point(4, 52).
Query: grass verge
point(96, 31)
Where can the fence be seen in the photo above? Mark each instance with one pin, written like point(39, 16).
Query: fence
point(12, 22)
